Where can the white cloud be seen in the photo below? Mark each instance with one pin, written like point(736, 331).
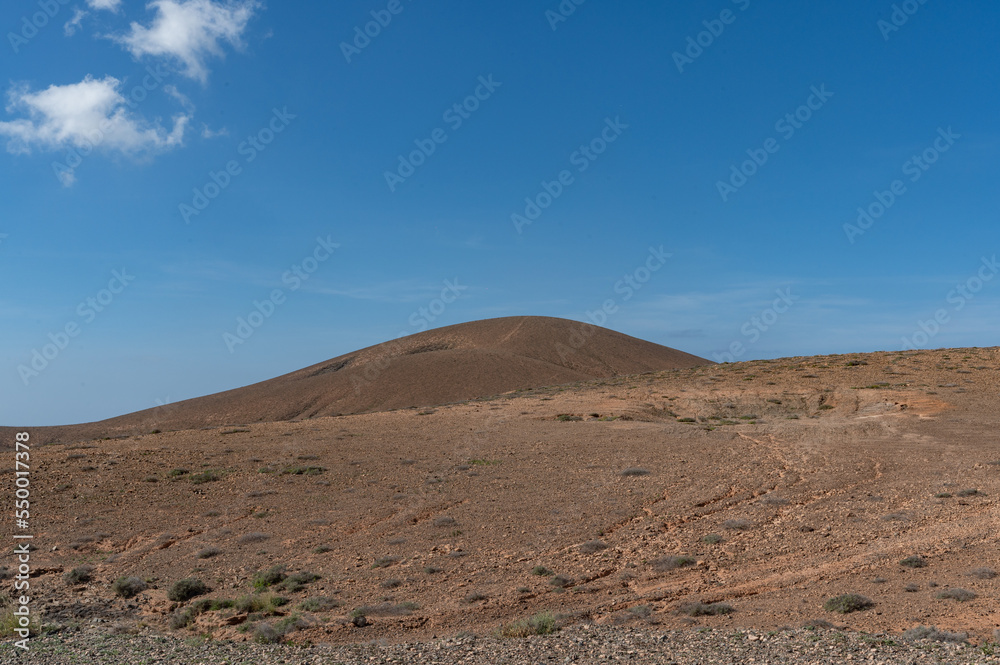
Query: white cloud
point(110, 5)
point(190, 31)
point(73, 24)
point(208, 133)
point(91, 114)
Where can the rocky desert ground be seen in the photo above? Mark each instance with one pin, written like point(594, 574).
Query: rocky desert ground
point(809, 509)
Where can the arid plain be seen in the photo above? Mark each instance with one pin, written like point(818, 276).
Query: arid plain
point(766, 486)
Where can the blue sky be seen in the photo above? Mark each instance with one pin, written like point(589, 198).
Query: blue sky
point(176, 162)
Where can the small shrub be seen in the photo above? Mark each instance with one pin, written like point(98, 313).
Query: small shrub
point(430, 570)
point(204, 477)
point(561, 581)
point(736, 524)
point(593, 546)
point(982, 573)
point(641, 611)
point(296, 581)
point(186, 589)
point(914, 562)
point(79, 575)
point(543, 623)
point(269, 577)
point(932, 634)
point(259, 603)
point(941, 495)
point(303, 470)
point(385, 609)
point(391, 583)
point(541, 571)
point(385, 561)
point(266, 633)
point(632, 472)
point(444, 521)
point(474, 597)
point(961, 595)
point(567, 417)
point(911, 588)
point(817, 624)
point(667, 563)
point(848, 602)
point(208, 552)
point(128, 587)
point(211, 605)
point(698, 609)
point(712, 539)
point(181, 619)
point(177, 472)
point(322, 549)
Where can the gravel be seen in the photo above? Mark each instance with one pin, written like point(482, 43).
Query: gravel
point(580, 644)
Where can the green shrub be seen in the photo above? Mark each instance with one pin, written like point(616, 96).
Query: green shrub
point(186, 589)
point(269, 577)
point(79, 575)
point(320, 604)
point(204, 477)
point(541, 571)
point(128, 587)
point(303, 470)
point(933, 634)
point(593, 546)
point(848, 602)
point(961, 595)
point(297, 581)
point(543, 623)
point(667, 563)
point(914, 562)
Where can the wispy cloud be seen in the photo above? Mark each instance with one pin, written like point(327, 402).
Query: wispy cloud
point(190, 32)
point(72, 25)
point(109, 5)
point(91, 113)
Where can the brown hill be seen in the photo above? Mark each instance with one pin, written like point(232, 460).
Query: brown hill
point(445, 365)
